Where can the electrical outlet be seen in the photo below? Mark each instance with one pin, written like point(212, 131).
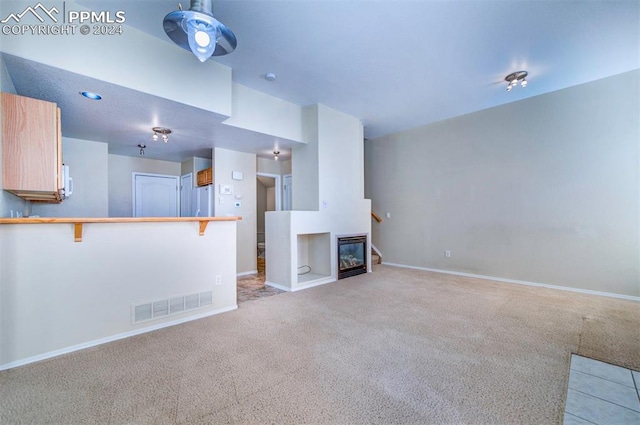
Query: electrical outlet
point(447, 253)
point(218, 279)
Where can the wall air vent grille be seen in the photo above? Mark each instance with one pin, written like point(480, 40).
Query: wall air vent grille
point(191, 302)
point(142, 312)
point(163, 308)
point(176, 305)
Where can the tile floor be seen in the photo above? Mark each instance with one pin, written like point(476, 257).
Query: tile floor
point(601, 393)
point(252, 287)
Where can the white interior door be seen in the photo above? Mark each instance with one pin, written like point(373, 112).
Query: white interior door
point(286, 192)
point(186, 196)
point(155, 195)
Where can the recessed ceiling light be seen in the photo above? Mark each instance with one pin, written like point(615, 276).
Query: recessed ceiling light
point(270, 76)
point(91, 95)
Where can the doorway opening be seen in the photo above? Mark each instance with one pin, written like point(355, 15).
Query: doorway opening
point(268, 198)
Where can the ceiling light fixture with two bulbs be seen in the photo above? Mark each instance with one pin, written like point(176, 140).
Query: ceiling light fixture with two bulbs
point(516, 77)
point(161, 131)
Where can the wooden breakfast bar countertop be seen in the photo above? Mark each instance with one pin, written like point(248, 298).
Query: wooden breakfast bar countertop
point(78, 222)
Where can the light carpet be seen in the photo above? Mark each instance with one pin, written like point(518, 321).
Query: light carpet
point(396, 346)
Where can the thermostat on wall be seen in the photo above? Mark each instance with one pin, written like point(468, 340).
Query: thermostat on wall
point(237, 175)
point(226, 189)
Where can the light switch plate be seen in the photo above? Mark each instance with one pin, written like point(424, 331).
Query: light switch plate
point(237, 175)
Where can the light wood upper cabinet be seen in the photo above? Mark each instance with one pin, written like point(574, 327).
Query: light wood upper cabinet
point(31, 148)
point(205, 177)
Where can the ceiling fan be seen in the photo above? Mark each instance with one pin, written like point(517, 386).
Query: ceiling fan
point(198, 31)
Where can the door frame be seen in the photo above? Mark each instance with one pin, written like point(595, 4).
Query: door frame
point(278, 187)
point(133, 189)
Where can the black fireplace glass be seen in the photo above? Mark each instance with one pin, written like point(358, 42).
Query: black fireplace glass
point(352, 256)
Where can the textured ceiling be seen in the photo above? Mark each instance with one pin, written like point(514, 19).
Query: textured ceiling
point(124, 117)
point(393, 64)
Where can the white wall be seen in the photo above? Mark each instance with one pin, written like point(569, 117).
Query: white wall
point(305, 169)
point(58, 295)
point(542, 190)
point(88, 166)
point(120, 172)
point(328, 174)
point(224, 163)
point(340, 158)
point(204, 85)
point(271, 166)
point(256, 111)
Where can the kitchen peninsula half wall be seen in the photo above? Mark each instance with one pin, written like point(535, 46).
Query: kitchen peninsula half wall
point(126, 277)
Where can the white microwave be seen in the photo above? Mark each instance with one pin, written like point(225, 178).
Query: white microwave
point(67, 182)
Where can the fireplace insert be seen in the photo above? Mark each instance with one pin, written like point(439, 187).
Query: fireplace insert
point(352, 256)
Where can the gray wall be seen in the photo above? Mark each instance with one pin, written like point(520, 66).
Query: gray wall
point(542, 190)
point(87, 163)
point(120, 172)
point(261, 208)
point(244, 191)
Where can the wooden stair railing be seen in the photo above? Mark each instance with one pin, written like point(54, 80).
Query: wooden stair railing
point(376, 217)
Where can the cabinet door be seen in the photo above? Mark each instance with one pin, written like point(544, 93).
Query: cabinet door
point(205, 177)
point(30, 144)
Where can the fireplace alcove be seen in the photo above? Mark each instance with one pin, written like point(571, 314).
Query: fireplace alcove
point(314, 257)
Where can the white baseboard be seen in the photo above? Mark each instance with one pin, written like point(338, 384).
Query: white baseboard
point(275, 285)
point(313, 283)
point(520, 282)
point(116, 337)
point(247, 273)
point(301, 287)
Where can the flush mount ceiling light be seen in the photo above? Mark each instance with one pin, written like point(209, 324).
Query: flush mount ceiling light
point(142, 148)
point(516, 77)
point(275, 155)
point(164, 132)
point(197, 30)
point(91, 95)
